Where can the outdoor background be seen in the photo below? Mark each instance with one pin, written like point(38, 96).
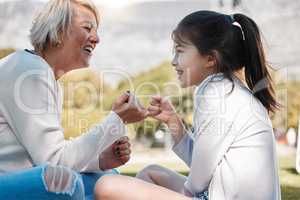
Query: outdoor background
point(134, 54)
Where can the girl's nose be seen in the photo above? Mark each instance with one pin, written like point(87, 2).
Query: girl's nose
point(175, 61)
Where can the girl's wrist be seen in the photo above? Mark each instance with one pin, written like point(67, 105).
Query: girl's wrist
point(176, 127)
point(174, 120)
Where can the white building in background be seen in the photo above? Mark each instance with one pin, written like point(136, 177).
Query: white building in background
point(298, 149)
point(291, 137)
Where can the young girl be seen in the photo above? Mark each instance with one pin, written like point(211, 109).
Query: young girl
point(231, 148)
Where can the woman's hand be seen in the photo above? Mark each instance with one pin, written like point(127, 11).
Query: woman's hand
point(115, 155)
point(163, 110)
point(129, 109)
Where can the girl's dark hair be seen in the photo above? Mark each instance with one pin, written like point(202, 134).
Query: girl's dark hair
point(234, 48)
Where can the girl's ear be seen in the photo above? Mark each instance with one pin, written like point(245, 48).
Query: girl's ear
point(212, 59)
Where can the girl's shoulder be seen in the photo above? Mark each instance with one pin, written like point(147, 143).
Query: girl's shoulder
point(219, 86)
point(209, 96)
point(214, 86)
point(223, 95)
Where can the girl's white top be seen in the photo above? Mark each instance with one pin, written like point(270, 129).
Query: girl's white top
point(231, 147)
point(30, 120)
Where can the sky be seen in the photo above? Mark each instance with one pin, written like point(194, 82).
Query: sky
point(110, 3)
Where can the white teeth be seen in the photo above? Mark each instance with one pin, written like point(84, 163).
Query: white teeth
point(89, 49)
point(179, 72)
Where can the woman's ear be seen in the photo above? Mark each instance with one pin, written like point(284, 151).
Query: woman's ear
point(60, 41)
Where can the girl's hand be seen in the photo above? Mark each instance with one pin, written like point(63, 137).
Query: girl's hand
point(115, 155)
point(163, 110)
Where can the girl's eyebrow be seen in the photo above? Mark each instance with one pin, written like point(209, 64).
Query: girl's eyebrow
point(179, 45)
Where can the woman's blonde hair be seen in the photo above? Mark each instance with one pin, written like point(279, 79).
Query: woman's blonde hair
point(54, 20)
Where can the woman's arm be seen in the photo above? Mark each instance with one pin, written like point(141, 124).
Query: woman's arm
point(32, 112)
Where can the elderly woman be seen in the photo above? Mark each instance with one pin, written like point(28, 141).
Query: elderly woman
point(36, 162)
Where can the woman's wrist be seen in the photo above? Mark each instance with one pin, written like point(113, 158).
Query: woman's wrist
point(119, 114)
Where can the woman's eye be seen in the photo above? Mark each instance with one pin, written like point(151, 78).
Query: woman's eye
point(87, 28)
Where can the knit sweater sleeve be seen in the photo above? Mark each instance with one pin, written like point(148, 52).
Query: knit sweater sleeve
point(31, 110)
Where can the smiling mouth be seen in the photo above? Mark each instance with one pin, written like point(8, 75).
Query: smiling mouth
point(88, 50)
point(179, 72)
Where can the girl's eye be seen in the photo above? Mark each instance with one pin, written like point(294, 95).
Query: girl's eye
point(179, 51)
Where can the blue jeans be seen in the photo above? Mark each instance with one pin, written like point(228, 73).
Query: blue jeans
point(48, 183)
point(201, 196)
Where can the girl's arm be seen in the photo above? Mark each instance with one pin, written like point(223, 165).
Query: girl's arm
point(161, 109)
point(184, 149)
point(176, 127)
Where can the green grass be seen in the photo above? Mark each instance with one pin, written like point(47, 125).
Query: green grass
point(289, 179)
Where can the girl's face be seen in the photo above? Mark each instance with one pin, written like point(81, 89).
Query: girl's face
point(191, 66)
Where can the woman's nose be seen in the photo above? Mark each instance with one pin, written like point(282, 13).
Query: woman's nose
point(95, 38)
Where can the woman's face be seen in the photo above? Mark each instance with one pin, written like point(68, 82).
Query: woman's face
point(191, 67)
point(82, 39)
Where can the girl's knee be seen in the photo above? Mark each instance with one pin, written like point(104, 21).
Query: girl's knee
point(153, 167)
point(149, 169)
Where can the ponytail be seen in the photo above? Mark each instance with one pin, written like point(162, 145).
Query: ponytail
point(257, 75)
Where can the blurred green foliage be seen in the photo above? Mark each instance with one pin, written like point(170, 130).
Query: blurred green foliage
point(87, 99)
point(161, 80)
point(5, 52)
